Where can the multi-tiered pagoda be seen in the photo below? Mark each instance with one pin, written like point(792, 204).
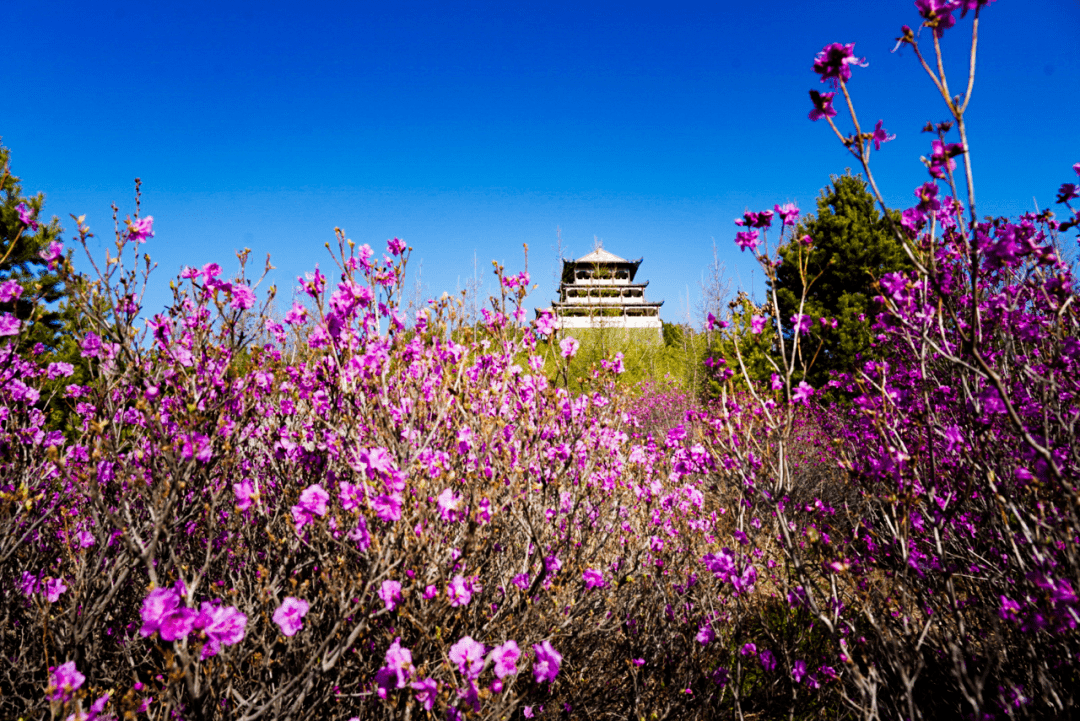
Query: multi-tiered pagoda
point(598, 291)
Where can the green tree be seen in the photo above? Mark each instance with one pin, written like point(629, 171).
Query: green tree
point(851, 248)
point(21, 247)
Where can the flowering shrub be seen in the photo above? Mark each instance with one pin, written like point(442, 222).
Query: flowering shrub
point(357, 514)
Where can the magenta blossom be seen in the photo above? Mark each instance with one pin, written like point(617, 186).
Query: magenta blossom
point(747, 239)
point(802, 393)
point(545, 323)
point(938, 14)
point(161, 612)
point(26, 215)
point(593, 578)
point(427, 691)
point(823, 107)
point(312, 502)
point(9, 291)
point(833, 62)
point(243, 297)
point(222, 626)
point(9, 324)
point(801, 323)
point(798, 671)
point(53, 253)
point(569, 347)
point(1067, 192)
point(398, 669)
point(450, 505)
point(705, 635)
point(141, 229)
point(54, 587)
point(387, 507)
point(788, 212)
point(244, 492)
point(461, 590)
point(548, 660)
point(880, 136)
point(65, 681)
point(390, 593)
point(469, 657)
point(289, 615)
point(757, 324)
point(768, 662)
point(505, 658)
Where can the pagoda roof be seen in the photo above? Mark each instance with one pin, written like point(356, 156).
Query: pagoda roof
point(600, 255)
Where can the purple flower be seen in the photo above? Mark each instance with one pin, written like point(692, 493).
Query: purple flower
point(90, 346)
point(802, 393)
point(426, 692)
point(387, 507)
point(788, 213)
point(927, 195)
point(1067, 192)
point(450, 505)
point(833, 61)
point(9, 324)
point(748, 649)
point(942, 157)
point(289, 615)
point(161, 612)
point(545, 323)
point(569, 347)
point(65, 680)
point(222, 625)
point(52, 254)
point(141, 229)
point(398, 668)
point(396, 246)
point(880, 136)
point(548, 660)
point(460, 591)
point(757, 324)
point(505, 658)
point(521, 580)
point(705, 635)
point(469, 657)
point(9, 291)
point(297, 314)
point(243, 297)
point(938, 14)
point(767, 660)
point(823, 107)
point(312, 502)
point(54, 587)
point(798, 671)
point(390, 593)
point(801, 323)
point(26, 215)
point(593, 578)
point(747, 239)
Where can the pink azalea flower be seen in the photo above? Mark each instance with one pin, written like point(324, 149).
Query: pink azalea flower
point(53, 253)
point(880, 136)
point(398, 668)
point(776, 383)
point(569, 347)
point(390, 593)
point(757, 324)
point(548, 660)
point(505, 658)
point(801, 323)
point(9, 324)
point(833, 62)
point(788, 213)
point(823, 107)
point(705, 635)
point(244, 490)
point(65, 681)
point(545, 323)
point(768, 662)
point(141, 229)
point(593, 578)
point(9, 291)
point(798, 671)
point(427, 691)
point(387, 507)
point(289, 615)
point(162, 613)
point(243, 297)
point(222, 625)
point(396, 246)
point(460, 591)
point(26, 215)
point(802, 393)
point(450, 505)
point(469, 657)
point(747, 239)
point(54, 587)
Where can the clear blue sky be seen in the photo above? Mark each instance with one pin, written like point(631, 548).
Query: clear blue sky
point(470, 128)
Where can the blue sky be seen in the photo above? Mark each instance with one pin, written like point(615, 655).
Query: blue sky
point(470, 128)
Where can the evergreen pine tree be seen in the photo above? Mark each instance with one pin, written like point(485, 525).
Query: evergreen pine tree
point(23, 240)
point(852, 247)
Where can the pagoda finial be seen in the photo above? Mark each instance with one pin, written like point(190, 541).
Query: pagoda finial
point(597, 243)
